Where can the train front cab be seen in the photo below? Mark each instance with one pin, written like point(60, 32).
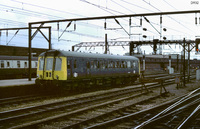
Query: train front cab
point(51, 70)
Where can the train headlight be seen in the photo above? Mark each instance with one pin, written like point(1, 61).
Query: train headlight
point(75, 74)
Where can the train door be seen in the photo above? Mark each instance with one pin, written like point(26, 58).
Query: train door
point(69, 68)
point(49, 68)
point(88, 70)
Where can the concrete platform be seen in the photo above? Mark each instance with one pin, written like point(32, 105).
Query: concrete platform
point(16, 82)
point(17, 87)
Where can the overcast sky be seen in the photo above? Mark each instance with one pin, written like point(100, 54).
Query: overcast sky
point(18, 13)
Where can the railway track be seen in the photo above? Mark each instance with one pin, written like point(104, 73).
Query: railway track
point(37, 115)
point(63, 106)
point(12, 118)
point(182, 114)
point(179, 113)
point(22, 100)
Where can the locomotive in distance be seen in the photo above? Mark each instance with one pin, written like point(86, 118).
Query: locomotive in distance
point(57, 67)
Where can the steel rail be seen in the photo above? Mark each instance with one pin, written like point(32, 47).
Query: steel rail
point(176, 111)
point(189, 118)
point(171, 109)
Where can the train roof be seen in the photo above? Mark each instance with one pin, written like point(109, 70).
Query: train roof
point(2, 57)
point(153, 56)
point(86, 55)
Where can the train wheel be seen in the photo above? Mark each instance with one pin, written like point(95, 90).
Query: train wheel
point(114, 82)
point(93, 82)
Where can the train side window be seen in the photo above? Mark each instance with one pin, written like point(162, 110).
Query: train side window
point(98, 64)
point(8, 64)
point(112, 64)
point(2, 64)
point(134, 64)
point(68, 64)
point(92, 64)
point(25, 65)
point(88, 64)
point(116, 64)
point(95, 64)
point(58, 64)
point(75, 64)
point(125, 63)
point(41, 63)
point(36, 63)
point(131, 64)
point(128, 64)
point(123, 66)
point(18, 64)
point(106, 64)
point(103, 64)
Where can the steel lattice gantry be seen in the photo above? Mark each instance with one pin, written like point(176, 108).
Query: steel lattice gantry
point(131, 44)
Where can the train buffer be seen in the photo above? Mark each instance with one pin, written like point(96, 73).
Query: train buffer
point(160, 81)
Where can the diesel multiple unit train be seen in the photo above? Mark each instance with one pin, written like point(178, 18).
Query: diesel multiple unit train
point(16, 67)
point(57, 67)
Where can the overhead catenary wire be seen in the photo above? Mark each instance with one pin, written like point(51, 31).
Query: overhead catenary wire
point(145, 17)
point(160, 11)
point(106, 8)
point(168, 16)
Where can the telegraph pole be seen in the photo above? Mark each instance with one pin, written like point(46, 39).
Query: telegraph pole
point(106, 44)
point(184, 62)
point(188, 79)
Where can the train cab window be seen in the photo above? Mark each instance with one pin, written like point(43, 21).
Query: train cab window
point(49, 65)
point(2, 64)
point(58, 64)
point(68, 64)
point(18, 64)
point(41, 63)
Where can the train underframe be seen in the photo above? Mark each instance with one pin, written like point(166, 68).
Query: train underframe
point(85, 83)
